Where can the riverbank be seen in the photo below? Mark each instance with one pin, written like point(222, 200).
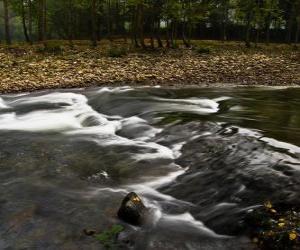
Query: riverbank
point(210, 63)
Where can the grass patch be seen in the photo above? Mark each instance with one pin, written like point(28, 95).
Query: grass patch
point(51, 47)
point(116, 52)
point(203, 50)
point(108, 238)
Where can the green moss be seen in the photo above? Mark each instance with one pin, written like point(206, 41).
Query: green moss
point(108, 238)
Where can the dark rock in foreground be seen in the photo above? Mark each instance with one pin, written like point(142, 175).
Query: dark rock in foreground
point(132, 210)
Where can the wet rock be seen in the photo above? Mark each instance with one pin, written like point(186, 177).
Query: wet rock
point(132, 210)
point(22, 218)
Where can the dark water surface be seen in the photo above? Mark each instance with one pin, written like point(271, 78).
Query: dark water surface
point(201, 159)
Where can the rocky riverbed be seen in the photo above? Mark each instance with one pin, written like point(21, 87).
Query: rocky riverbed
point(27, 68)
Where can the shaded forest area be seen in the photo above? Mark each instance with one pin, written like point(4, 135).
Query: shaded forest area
point(79, 43)
point(162, 23)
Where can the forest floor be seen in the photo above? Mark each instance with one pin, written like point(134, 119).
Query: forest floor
point(209, 63)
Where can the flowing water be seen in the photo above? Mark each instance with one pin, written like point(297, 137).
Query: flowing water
point(201, 159)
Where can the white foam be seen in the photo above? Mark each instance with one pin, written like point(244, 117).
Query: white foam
point(55, 97)
point(135, 122)
point(293, 149)
point(191, 105)
point(177, 149)
point(222, 98)
point(115, 89)
point(38, 121)
point(161, 181)
point(2, 104)
point(282, 145)
point(188, 220)
point(73, 112)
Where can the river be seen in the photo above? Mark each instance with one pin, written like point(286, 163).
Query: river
point(201, 159)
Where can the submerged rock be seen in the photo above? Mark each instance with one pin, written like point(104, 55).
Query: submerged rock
point(132, 210)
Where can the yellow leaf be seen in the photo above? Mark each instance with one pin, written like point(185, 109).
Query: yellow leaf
point(281, 224)
point(292, 235)
point(268, 204)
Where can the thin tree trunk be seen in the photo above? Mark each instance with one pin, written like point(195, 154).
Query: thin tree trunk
point(6, 22)
point(70, 23)
point(157, 34)
point(168, 45)
point(152, 42)
point(141, 24)
point(30, 19)
point(93, 23)
point(173, 34)
point(184, 39)
point(224, 37)
point(289, 27)
point(257, 36)
point(224, 21)
point(183, 28)
point(24, 22)
point(297, 31)
point(152, 32)
point(134, 28)
point(268, 31)
point(45, 19)
point(109, 24)
point(41, 20)
point(248, 30)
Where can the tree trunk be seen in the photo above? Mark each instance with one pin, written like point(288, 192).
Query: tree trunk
point(184, 39)
point(6, 22)
point(41, 20)
point(134, 28)
point(140, 9)
point(168, 44)
point(248, 30)
point(24, 22)
point(70, 23)
point(157, 34)
point(109, 22)
point(289, 27)
point(268, 31)
point(173, 34)
point(152, 42)
point(93, 23)
point(30, 20)
point(224, 36)
point(297, 31)
point(257, 36)
point(224, 21)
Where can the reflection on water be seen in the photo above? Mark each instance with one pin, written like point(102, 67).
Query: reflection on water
point(200, 158)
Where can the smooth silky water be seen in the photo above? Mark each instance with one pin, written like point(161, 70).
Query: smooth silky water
point(201, 159)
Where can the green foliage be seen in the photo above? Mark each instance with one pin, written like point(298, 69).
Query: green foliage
point(72, 19)
point(117, 52)
point(108, 238)
point(275, 227)
point(51, 47)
